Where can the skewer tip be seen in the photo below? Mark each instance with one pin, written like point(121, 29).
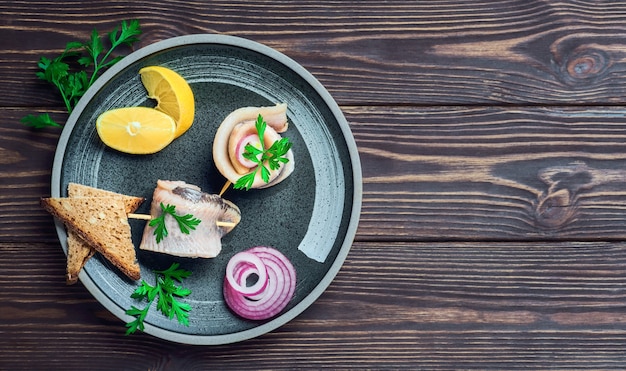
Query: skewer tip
point(225, 187)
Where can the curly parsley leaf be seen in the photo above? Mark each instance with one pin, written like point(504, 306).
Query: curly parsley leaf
point(137, 323)
point(40, 121)
point(92, 57)
point(174, 272)
point(186, 223)
point(167, 294)
point(272, 157)
point(246, 181)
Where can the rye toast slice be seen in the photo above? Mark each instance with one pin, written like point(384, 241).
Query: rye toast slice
point(79, 251)
point(103, 225)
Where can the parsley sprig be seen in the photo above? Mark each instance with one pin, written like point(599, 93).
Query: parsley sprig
point(166, 292)
point(92, 58)
point(273, 156)
point(186, 223)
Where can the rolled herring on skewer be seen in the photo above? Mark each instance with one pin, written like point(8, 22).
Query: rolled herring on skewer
point(237, 126)
point(203, 242)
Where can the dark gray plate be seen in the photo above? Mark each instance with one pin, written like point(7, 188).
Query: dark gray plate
point(311, 217)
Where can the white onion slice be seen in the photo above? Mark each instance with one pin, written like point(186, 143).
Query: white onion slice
point(279, 284)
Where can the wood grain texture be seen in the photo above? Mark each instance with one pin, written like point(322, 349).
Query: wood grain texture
point(422, 53)
point(488, 173)
point(433, 305)
point(479, 173)
point(492, 140)
point(26, 158)
point(436, 305)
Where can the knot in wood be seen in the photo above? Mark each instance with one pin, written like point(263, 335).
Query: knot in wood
point(584, 65)
point(555, 209)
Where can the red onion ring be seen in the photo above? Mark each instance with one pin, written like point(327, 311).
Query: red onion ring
point(279, 284)
point(240, 149)
point(240, 267)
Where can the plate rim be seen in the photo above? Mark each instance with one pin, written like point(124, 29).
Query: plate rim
point(357, 193)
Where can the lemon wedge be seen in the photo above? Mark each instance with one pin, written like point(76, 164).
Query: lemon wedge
point(136, 130)
point(173, 95)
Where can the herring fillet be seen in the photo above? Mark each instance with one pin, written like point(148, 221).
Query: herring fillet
point(275, 117)
point(203, 242)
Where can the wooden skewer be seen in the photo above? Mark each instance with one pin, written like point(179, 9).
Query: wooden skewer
point(225, 187)
point(139, 216)
point(225, 224)
point(149, 217)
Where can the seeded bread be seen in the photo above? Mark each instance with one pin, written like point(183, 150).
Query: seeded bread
point(79, 251)
point(103, 225)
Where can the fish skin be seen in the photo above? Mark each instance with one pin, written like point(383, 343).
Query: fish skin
point(203, 242)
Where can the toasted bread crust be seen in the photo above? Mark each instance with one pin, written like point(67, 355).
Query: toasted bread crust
point(79, 251)
point(80, 190)
point(103, 225)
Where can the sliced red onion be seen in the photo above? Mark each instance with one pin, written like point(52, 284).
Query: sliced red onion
point(240, 149)
point(240, 267)
point(279, 284)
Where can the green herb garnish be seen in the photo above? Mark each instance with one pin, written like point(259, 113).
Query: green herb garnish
point(167, 293)
point(273, 156)
point(92, 58)
point(186, 223)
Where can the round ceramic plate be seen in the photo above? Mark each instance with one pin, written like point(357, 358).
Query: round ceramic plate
point(311, 217)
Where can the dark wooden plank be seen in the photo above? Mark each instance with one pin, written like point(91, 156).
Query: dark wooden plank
point(426, 52)
point(490, 173)
point(538, 189)
point(26, 158)
point(436, 306)
point(430, 173)
point(393, 305)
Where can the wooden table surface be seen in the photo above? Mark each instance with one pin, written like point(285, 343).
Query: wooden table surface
point(492, 136)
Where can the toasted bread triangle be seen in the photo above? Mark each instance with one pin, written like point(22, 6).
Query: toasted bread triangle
point(103, 225)
point(79, 251)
